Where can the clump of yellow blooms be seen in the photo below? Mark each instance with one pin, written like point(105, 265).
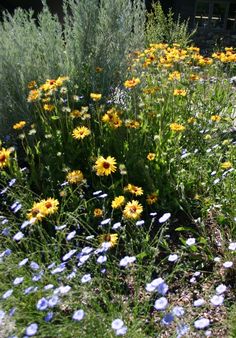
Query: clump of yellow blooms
point(48, 88)
point(229, 55)
point(19, 125)
point(43, 209)
point(112, 117)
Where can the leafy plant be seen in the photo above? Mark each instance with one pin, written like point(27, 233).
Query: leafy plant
point(164, 28)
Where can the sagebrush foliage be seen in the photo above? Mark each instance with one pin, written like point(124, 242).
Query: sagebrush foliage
point(91, 36)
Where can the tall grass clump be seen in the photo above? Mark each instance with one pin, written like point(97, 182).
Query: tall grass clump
point(86, 47)
point(165, 28)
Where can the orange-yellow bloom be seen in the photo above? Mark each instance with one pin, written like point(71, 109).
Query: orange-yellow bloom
point(131, 83)
point(179, 92)
point(43, 208)
point(152, 198)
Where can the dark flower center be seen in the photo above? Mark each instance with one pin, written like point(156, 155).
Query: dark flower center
point(106, 165)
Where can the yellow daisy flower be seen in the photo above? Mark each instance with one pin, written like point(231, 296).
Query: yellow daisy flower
point(97, 212)
point(105, 166)
point(132, 124)
point(174, 76)
point(37, 212)
point(34, 95)
point(133, 210)
point(75, 177)
point(177, 127)
point(133, 189)
point(118, 202)
point(81, 132)
point(50, 205)
point(151, 156)
point(131, 83)
point(152, 198)
point(180, 92)
point(110, 238)
point(32, 84)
